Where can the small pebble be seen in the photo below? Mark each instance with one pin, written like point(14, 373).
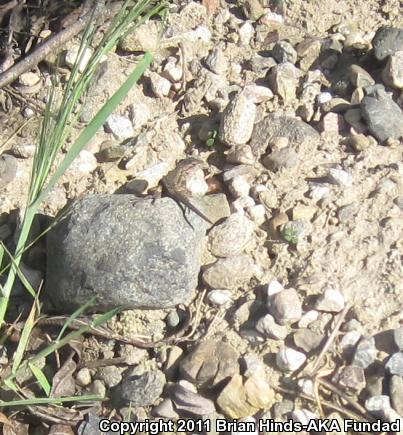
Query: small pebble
point(217, 62)
point(331, 301)
point(395, 364)
point(159, 85)
point(308, 318)
point(72, 56)
point(286, 307)
point(220, 297)
point(268, 327)
point(289, 360)
point(83, 377)
point(340, 177)
point(350, 340)
point(365, 353)
point(120, 126)
point(283, 51)
point(239, 186)
point(8, 169)
point(306, 386)
point(377, 404)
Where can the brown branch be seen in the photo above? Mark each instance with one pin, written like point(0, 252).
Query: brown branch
point(51, 45)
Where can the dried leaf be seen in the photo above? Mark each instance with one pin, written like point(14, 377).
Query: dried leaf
point(63, 382)
point(5, 420)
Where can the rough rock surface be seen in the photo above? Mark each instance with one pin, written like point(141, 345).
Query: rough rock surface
point(274, 126)
point(124, 251)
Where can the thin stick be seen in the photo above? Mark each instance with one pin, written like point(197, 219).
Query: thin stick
point(351, 402)
point(329, 405)
point(51, 45)
point(331, 338)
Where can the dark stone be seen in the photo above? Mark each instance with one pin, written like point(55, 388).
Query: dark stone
point(91, 426)
point(141, 390)
point(351, 377)
point(210, 362)
point(383, 116)
point(124, 251)
point(395, 364)
point(365, 353)
point(273, 126)
point(307, 339)
point(387, 41)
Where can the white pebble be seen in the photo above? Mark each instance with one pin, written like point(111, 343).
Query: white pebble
point(377, 404)
point(219, 297)
point(172, 71)
point(273, 288)
point(324, 97)
point(86, 162)
point(350, 340)
point(306, 386)
point(258, 214)
point(72, 55)
point(245, 33)
point(340, 177)
point(239, 186)
point(120, 126)
point(83, 377)
point(309, 317)
point(318, 192)
point(331, 301)
point(240, 204)
point(140, 114)
point(289, 360)
point(159, 85)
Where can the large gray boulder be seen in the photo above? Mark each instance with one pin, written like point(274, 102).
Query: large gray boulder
point(142, 253)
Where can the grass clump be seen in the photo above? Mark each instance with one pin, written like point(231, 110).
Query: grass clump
point(61, 113)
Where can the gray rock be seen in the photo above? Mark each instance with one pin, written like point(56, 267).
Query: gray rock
point(217, 62)
point(377, 404)
point(188, 401)
point(396, 393)
point(289, 360)
point(395, 364)
point(274, 126)
point(230, 272)
point(210, 362)
point(268, 327)
point(283, 51)
point(359, 77)
point(365, 353)
point(393, 72)
point(351, 377)
point(284, 158)
point(284, 80)
point(237, 121)
point(124, 250)
point(383, 116)
point(231, 236)
point(111, 375)
point(398, 336)
point(141, 390)
point(165, 409)
point(8, 169)
point(91, 426)
point(120, 126)
point(387, 41)
point(286, 307)
point(307, 340)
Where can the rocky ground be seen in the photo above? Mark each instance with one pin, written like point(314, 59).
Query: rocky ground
point(290, 302)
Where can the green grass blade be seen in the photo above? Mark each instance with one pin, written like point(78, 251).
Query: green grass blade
point(20, 275)
point(74, 316)
point(24, 341)
point(41, 378)
point(50, 401)
point(96, 123)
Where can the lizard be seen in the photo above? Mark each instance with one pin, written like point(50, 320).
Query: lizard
point(175, 185)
